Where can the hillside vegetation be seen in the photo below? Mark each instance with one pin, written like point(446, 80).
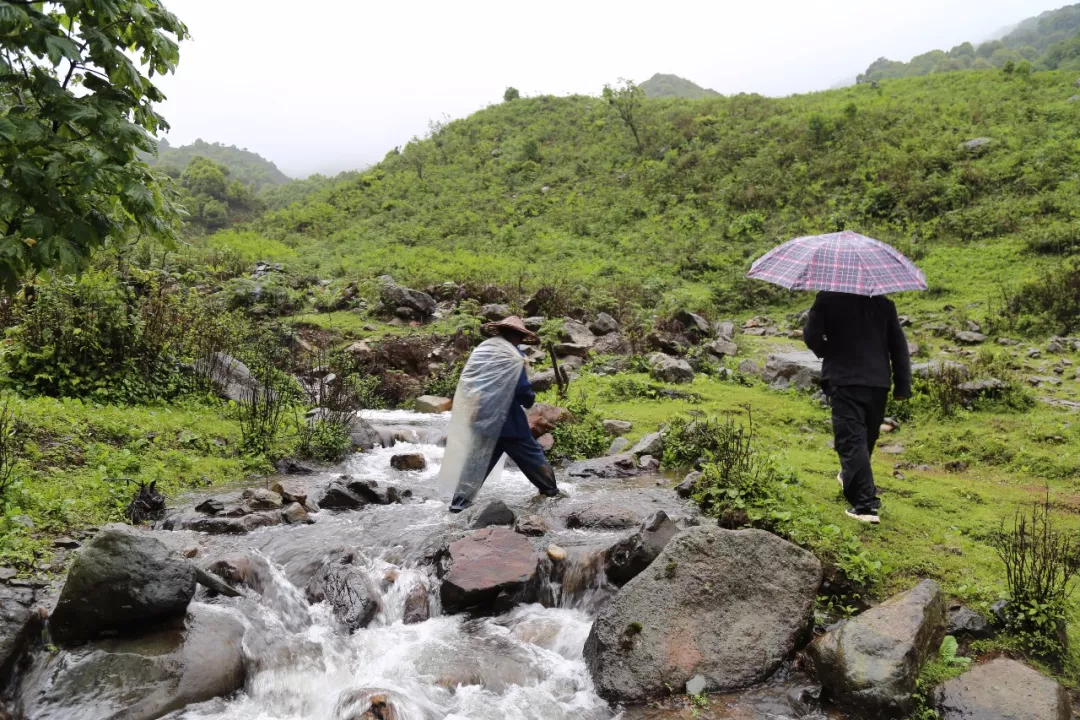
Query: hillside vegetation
point(663, 86)
point(553, 191)
point(251, 169)
point(1048, 41)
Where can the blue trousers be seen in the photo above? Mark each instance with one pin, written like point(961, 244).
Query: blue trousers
point(530, 459)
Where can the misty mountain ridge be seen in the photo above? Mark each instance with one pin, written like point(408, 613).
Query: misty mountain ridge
point(663, 85)
point(250, 168)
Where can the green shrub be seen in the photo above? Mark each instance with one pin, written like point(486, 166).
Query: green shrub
point(585, 438)
point(325, 441)
point(1053, 300)
point(444, 384)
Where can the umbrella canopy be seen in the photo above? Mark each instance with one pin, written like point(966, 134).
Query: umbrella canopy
point(844, 262)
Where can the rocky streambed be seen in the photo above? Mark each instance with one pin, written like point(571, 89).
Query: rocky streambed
point(357, 596)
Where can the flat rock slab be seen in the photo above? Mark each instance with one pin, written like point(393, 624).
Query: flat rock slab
point(727, 605)
point(621, 465)
point(869, 665)
point(485, 565)
point(1002, 689)
point(801, 370)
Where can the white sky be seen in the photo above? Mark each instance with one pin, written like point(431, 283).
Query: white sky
point(333, 85)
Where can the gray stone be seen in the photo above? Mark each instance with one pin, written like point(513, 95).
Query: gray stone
point(650, 444)
point(18, 626)
point(371, 492)
point(396, 296)
point(337, 496)
point(432, 404)
point(417, 606)
point(967, 337)
point(686, 488)
point(1002, 689)
point(572, 349)
point(577, 334)
point(801, 370)
point(408, 461)
point(618, 446)
point(493, 512)
point(363, 434)
point(532, 526)
point(977, 145)
point(210, 506)
point(696, 685)
point(235, 524)
point(142, 677)
point(612, 344)
point(534, 323)
point(629, 557)
point(648, 463)
point(612, 466)
point(479, 568)
point(966, 623)
point(722, 348)
point(600, 513)
point(986, 386)
point(121, 580)
point(342, 585)
point(604, 324)
point(296, 514)
point(668, 369)
point(933, 368)
point(617, 428)
point(231, 378)
point(725, 330)
point(214, 583)
point(694, 324)
point(869, 665)
point(545, 380)
point(749, 367)
point(262, 499)
point(1056, 347)
point(727, 605)
point(495, 312)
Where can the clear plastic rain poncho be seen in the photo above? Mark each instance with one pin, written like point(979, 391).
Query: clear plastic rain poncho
point(481, 402)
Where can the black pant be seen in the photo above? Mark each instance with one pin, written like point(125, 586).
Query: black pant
point(529, 457)
point(857, 414)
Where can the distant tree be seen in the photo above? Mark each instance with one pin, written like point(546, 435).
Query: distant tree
point(215, 214)
point(205, 177)
point(627, 99)
point(415, 155)
point(75, 112)
point(511, 94)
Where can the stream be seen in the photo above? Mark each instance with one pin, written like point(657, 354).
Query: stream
point(526, 664)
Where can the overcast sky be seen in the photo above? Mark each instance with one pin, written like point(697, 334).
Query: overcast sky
point(333, 85)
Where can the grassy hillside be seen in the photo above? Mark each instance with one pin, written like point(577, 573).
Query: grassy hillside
point(673, 86)
point(252, 169)
point(552, 191)
point(1048, 41)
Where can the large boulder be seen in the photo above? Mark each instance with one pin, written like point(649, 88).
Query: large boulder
point(801, 370)
point(363, 434)
point(869, 665)
point(601, 513)
point(604, 324)
point(338, 496)
point(396, 296)
point(612, 466)
point(629, 557)
point(493, 512)
point(488, 571)
point(722, 348)
point(576, 333)
point(231, 378)
point(122, 579)
point(18, 625)
point(141, 677)
point(668, 369)
point(228, 524)
point(649, 444)
point(727, 605)
point(342, 584)
point(694, 324)
point(1002, 689)
point(612, 344)
point(543, 418)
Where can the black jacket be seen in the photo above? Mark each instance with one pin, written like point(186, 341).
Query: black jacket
point(860, 342)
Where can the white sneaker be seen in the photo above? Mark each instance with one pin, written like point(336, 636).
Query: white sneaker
point(869, 517)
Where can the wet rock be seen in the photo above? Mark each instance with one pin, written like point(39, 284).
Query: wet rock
point(618, 445)
point(546, 442)
point(342, 585)
point(296, 514)
point(648, 463)
point(408, 461)
point(544, 418)
point(650, 444)
point(210, 507)
point(686, 488)
point(532, 526)
point(801, 370)
point(395, 296)
point(292, 466)
point(142, 677)
point(290, 494)
point(191, 551)
point(1002, 689)
point(668, 369)
point(121, 580)
point(604, 324)
point(223, 524)
point(215, 583)
point(556, 553)
point(19, 625)
point(432, 404)
point(722, 348)
point(339, 497)
point(365, 705)
point(616, 428)
point(727, 605)
point(259, 499)
point(493, 512)
point(601, 513)
point(363, 434)
point(487, 571)
point(611, 466)
point(612, 344)
point(231, 378)
point(371, 492)
point(629, 557)
point(967, 337)
point(417, 606)
point(966, 623)
point(936, 367)
point(869, 665)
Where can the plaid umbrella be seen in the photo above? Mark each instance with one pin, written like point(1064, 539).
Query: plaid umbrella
point(844, 262)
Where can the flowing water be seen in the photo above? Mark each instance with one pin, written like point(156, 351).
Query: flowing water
point(526, 664)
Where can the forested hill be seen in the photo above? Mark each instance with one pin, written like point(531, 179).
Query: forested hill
point(1049, 41)
point(252, 169)
point(557, 189)
point(663, 86)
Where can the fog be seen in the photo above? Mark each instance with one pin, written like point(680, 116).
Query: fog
point(333, 85)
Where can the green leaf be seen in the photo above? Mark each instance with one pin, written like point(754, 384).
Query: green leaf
point(60, 48)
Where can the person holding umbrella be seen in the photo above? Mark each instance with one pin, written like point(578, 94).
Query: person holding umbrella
point(855, 330)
